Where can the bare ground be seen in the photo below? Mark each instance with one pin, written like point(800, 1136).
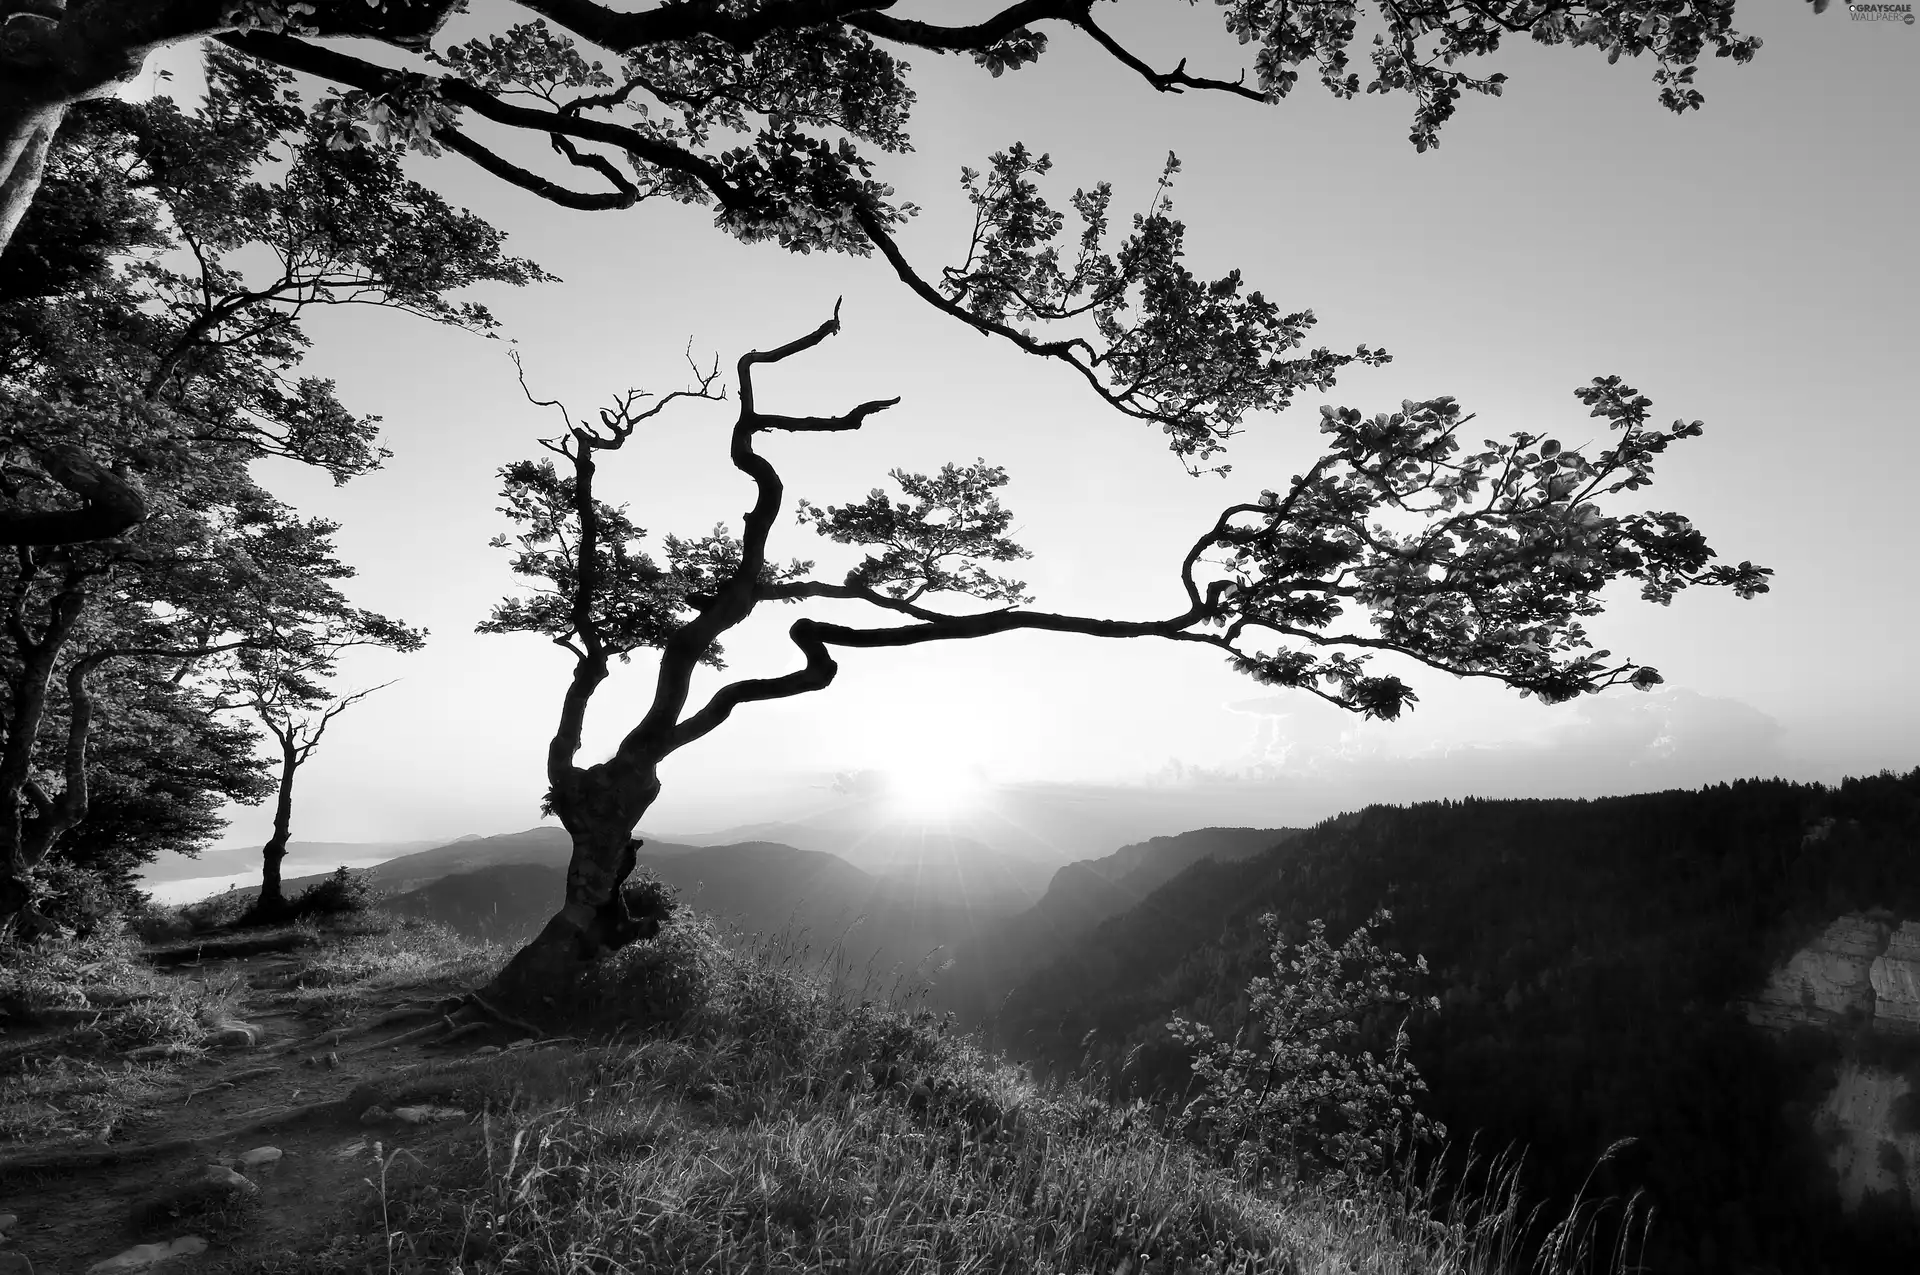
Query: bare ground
point(324, 1099)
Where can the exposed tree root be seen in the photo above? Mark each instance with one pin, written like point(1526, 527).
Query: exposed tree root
point(422, 1034)
point(400, 1014)
point(499, 1015)
point(462, 1032)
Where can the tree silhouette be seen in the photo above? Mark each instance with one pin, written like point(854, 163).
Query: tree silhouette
point(283, 685)
point(183, 370)
point(1496, 558)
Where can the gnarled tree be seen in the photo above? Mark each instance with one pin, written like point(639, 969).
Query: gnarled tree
point(1399, 540)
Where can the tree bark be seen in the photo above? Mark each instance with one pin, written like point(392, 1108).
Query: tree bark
point(600, 807)
point(24, 841)
point(28, 136)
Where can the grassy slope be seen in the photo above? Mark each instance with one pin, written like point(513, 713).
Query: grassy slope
point(729, 1113)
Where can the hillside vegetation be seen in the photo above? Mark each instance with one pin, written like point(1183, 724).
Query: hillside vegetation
point(1588, 957)
point(721, 1107)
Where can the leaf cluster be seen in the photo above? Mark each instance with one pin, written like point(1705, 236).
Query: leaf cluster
point(1156, 341)
point(937, 543)
point(1479, 563)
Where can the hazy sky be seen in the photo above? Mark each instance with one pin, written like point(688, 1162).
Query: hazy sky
point(1751, 265)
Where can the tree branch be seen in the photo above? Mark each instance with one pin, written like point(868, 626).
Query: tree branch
point(1174, 81)
point(734, 600)
point(114, 502)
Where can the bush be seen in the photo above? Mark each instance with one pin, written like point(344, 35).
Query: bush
point(81, 902)
point(658, 980)
point(1302, 1089)
point(217, 912)
point(649, 898)
point(343, 893)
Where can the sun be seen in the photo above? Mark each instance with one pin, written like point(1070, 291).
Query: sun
point(927, 789)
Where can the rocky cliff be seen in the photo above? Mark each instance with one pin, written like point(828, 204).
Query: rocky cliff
point(1861, 974)
point(1863, 970)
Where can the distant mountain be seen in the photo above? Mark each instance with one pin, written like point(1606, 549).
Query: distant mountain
point(757, 886)
point(987, 851)
point(819, 899)
point(1079, 897)
point(1596, 963)
point(546, 844)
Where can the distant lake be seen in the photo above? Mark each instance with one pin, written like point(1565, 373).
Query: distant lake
point(193, 889)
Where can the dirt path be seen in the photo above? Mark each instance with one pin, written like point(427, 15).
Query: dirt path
point(320, 1099)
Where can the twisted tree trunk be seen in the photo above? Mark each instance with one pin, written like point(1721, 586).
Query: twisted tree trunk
point(599, 807)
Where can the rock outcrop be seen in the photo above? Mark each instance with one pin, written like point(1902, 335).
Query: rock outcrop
point(1867, 1154)
point(1896, 981)
point(1861, 972)
point(1827, 980)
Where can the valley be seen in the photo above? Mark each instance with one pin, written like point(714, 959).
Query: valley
point(1598, 964)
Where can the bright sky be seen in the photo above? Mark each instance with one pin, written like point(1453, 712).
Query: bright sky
point(1752, 266)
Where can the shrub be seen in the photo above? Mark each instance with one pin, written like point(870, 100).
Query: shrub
point(218, 911)
point(1302, 1089)
point(156, 924)
point(649, 898)
point(658, 980)
point(341, 893)
point(81, 902)
point(155, 1022)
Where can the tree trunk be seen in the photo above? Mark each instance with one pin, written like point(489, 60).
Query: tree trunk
point(23, 842)
point(600, 809)
point(26, 134)
point(272, 900)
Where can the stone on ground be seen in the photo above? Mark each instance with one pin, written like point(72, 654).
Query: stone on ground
point(141, 1256)
point(233, 1034)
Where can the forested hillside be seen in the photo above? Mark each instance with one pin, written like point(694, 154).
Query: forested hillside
point(1080, 896)
point(1587, 955)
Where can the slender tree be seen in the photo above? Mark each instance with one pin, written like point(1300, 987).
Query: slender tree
point(162, 766)
point(298, 735)
point(1478, 563)
point(284, 687)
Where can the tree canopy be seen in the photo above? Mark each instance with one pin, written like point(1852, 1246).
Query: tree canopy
point(141, 362)
point(777, 114)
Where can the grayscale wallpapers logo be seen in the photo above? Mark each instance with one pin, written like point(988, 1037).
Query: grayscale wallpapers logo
point(1902, 13)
